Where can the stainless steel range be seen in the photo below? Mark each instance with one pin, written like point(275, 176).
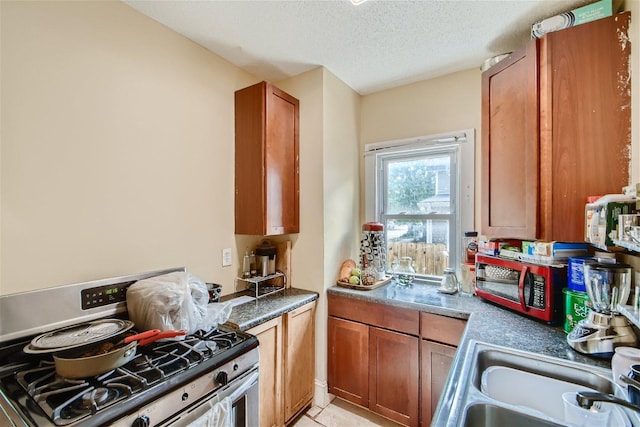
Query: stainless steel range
point(167, 382)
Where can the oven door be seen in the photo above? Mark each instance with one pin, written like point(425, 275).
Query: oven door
point(237, 405)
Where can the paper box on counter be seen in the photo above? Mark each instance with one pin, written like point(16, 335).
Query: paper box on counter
point(582, 15)
point(527, 247)
point(560, 250)
point(493, 246)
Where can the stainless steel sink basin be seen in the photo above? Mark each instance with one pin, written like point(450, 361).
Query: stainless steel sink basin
point(523, 388)
point(590, 377)
point(486, 414)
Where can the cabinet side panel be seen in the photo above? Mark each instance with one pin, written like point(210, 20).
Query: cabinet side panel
point(282, 163)
point(249, 160)
point(591, 118)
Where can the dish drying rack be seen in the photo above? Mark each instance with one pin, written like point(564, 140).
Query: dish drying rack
point(262, 286)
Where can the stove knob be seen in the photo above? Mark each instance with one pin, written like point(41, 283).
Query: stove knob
point(222, 378)
point(142, 421)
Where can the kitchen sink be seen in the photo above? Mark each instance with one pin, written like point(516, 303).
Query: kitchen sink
point(512, 387)
point(486, 414)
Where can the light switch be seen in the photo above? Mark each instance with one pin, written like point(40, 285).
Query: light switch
point(226, 257)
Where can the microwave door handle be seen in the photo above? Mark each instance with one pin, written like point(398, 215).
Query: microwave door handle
point(523, 275)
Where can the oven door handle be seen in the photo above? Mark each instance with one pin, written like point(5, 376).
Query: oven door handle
point(523, 276)
point(247, 383)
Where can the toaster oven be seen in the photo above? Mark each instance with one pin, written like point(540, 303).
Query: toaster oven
point(531, 289)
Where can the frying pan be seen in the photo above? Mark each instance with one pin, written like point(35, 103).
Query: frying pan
point(78, 336)
point(106, 356)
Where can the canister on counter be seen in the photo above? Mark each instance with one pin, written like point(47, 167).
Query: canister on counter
point(470, 246)
point(373, 250)
point(266, 253)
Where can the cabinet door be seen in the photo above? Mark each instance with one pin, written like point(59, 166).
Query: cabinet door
point(510, 146)
point(299, 361)
point(348, 360)
point(266, 161)
point(436, 362)
point(393, 375)
point(269, 336)
point(585, 115)
point(282, 185)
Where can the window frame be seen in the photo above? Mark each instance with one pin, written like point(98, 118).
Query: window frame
point(461, 146)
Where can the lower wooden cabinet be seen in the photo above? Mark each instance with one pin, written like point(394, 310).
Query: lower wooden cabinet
point(391, 360)
point(440, 338)
point(348, 361)
point(393, 375)
point(373, 366)
point(269, 336)
point(287, 365)
point(436, 362)
point(299, 359)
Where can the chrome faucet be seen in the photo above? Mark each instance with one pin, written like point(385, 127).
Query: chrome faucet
point(586, 399)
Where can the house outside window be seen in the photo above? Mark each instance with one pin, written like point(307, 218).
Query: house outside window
point(422, 190)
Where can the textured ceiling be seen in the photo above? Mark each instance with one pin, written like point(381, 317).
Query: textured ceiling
point(371, 47)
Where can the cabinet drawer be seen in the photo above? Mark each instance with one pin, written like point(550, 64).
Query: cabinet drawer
point(383, 316)
point(447, 330)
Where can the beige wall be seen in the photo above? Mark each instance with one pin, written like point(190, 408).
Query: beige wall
point(341, 198)
point(444, 104)
point(329, 217)
point(117, 147)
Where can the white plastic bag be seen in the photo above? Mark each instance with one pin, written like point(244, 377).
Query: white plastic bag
point(217, 313)
point(174, 301)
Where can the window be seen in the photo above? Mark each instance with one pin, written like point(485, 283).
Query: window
point(422, 190)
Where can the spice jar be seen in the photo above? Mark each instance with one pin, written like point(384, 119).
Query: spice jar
point(470, 246)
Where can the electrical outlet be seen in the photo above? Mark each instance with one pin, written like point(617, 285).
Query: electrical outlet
point(226, 257)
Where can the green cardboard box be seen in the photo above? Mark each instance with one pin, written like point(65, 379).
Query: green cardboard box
point(582, 15)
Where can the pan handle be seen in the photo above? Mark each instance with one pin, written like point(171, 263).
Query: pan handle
point(160, 335)
point(141, 335)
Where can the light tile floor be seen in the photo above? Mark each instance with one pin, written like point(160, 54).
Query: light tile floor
point(340, 413)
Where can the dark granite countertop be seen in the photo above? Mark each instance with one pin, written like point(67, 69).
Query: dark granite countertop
point(486, 322)
point(253, 313)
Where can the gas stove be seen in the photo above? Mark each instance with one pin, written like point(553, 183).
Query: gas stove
point(166, 382)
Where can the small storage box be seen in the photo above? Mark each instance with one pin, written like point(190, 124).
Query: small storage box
point(601, 218)
point(577, 307)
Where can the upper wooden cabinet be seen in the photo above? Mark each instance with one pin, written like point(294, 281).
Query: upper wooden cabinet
point(556, 128)
point(266, 161)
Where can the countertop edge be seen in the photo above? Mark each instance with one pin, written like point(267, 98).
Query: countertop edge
point(254, 313)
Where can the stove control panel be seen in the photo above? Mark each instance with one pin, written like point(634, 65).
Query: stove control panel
point(104, 295)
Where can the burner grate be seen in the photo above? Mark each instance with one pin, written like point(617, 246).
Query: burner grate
point(66, 401)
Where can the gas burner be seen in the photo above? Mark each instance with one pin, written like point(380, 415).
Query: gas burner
point(94, 399)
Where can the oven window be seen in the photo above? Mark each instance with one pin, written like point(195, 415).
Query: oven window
point(240, 412)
